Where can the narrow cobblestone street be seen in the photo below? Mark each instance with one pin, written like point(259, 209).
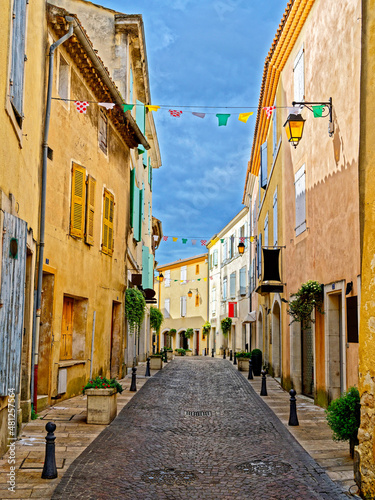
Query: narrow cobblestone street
point(197, 429)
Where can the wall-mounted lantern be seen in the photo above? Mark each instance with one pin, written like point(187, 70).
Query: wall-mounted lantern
point(241, 248)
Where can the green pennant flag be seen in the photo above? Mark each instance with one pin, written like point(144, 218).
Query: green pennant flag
point(128, 107)
point(141, 149)
point(222, 119)
point(318, 111)
point(222, 240)
point(184, 240)
point(198, 279)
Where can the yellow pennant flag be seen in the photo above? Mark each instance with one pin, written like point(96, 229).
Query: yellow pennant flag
point(243, 117)
point(150, 107)
point(205, 279)
point(251, 239)
point(174, 239)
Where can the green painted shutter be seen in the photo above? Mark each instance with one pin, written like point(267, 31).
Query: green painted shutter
point(136, 218)
point(140, 116)
point(132, 186)
point(150, 270)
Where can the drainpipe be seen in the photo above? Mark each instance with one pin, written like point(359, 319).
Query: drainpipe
point(34, 369)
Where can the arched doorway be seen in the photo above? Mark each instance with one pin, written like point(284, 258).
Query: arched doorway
point(184, 344)
point(276, 340)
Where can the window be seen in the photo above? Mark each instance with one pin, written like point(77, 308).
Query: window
point(215, 257)
point(213, 295)
point(243, 235)
point(183, 306)
point(232, 285)
point(243, 280)
point(90, 210)
point(263, 166)
point(266, 231)
point(18, 58)
point(197, 269)
point(299, 76)
point(225, 288)
point(275, 223)
point(167, 278)
point(352, 319)
point(259, 255)
point(136, 207)
point(103, 129)
point(197, 300)
point(73, 328)
point(300, 192)
point(225, 252)
point(274, 128)
point(183, 272)
point(167, 303)
point(231, 246)
point(252, 275)
point(108, 212)
point(77, 211)
point(63, 78)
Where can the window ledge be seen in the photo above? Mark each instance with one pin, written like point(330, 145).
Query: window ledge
point(71, 362)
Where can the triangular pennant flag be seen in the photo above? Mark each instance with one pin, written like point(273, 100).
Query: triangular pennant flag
point(165, 238)
point(81, 106)
point(199, 115)
point(174, 239)
point(251, 239)
point(242, 239)
point(150, 107)
point(243, 117)
point(222, 119)
point(318, 111)
point(174, 112)
point(192, 281)
point(128, 107)
point(184, 240)
point(204, 279)
point(107, 105)
point(268, 110)
point(193, 242)
point(198, 279)
point(203, 243)
point(211, 278)
point(295, 110)
point(222, 240)
point(156, 237)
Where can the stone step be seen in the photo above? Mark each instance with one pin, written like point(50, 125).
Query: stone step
point(42, 402)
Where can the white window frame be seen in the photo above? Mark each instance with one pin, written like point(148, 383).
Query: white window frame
point(213, 307)
point(299, 76)
point(183, 274)
point(225, 288)
point(167, 307)
point(167, 278)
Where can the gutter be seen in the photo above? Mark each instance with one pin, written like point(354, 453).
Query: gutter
point(35, 359)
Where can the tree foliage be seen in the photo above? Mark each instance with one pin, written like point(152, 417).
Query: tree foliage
point(343, 415)
point(156, 319)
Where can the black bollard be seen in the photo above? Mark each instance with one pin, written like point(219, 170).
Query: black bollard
point(133, 387)
point(250, 376)
point(230, 355)
point(235, 359)
point(49, 468)
point(293, 419)
point(212, 355)
point(224, 354)
point(263, 391)
point(148, 374)
point(165, 355)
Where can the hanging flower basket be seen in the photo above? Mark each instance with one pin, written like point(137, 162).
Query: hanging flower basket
point(226, 325)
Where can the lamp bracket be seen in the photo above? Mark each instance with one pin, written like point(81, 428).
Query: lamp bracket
point(326, 104)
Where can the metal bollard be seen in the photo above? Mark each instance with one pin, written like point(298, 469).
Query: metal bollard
point(235, 359)
point(250, 376)
point(293, 419)
point(49, 468)
point(148, 373)
point(212, 355)
point(196, 352)
point(133, 387)
point(263, 391)
point(165, 355)
point(224, 354)
point(230, 355)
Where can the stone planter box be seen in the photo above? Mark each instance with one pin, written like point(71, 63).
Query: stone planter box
point(101, 405)
point(156, 363)
point(189, 353)
point(243, 364)
point(169, 355)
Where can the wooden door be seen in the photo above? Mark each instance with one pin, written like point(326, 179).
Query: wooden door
point(66, 346)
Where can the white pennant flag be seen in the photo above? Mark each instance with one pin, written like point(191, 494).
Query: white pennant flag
point(107, 105)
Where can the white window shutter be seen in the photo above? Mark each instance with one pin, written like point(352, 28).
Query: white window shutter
point(167, 278)
point(275, 222)
point(299, 76)
point(300, 191)
point(183, 273)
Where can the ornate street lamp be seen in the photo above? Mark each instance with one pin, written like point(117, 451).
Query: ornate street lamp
point(241, 248)
point(294, 128)
point(161, 277)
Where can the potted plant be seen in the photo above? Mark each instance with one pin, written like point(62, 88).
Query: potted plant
point(226, 325)
point(180, 352)
point(156, 361)
point(256, 360)
point(206, 329)
point(308, 297)
point(343, 417)
point(188, 352)
point(243, 358)
point(101, 400)
point(169, 353)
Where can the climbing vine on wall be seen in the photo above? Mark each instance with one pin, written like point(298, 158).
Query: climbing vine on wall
point(156, 319)
point(308, 297)
point(135, 306)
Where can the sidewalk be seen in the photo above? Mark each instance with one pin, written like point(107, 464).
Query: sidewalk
point(313, 432)
point(73, 436)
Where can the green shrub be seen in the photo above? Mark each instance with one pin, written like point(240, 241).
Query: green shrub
point(181, 351)
point(156, 319)
point(342, 415)
point(172, 331)
point(34, 415)
point(243, 354)
point(256, 352)
point(189, 333)
point(226, 325)
point(103, 383)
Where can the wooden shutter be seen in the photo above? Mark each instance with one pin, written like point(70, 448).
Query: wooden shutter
point(108, 214)
point(77, 215)
point(103, 131)
point(275, 222)
point(90, 210)
point(300, 192)
point(167, 307)
point(299, 76)
point(18, 56)
point(66, 343)
point(263, 159)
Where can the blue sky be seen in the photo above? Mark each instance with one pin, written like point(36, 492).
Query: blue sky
point(204, 53)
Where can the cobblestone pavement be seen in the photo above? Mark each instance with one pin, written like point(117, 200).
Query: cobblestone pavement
point(197, 429)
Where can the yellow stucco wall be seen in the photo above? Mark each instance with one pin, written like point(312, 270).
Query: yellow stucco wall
point(365, 474)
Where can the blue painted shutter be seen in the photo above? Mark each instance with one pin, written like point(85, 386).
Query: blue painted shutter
point(151, 270)
point(132, 186)
point(263, 159)
point(140, 116)
point(18, 55)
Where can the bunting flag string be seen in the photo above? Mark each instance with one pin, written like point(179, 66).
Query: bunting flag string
point(204, 241)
